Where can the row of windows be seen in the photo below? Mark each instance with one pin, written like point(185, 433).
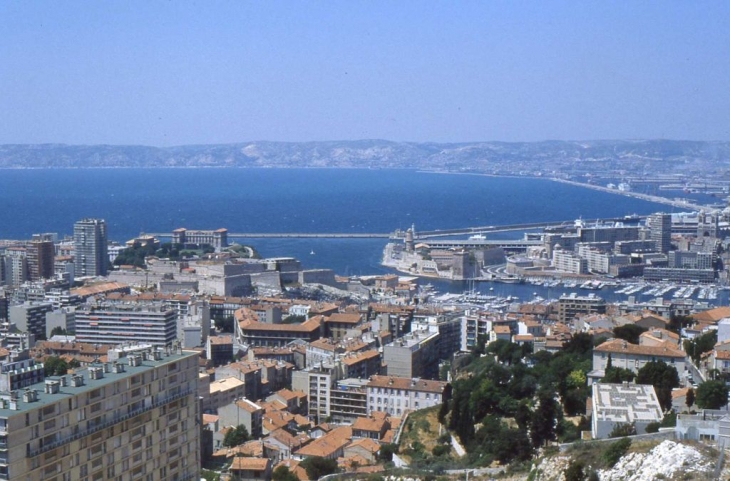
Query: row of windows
point(399, 392)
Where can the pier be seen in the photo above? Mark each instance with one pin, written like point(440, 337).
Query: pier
point(420, 235)
point(680, 203)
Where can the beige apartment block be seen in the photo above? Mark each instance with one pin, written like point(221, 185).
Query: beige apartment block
point(133, 418)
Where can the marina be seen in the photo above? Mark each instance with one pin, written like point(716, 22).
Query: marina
point(535, 290)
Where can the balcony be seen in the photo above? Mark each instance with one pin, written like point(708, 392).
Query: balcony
point(106, 423)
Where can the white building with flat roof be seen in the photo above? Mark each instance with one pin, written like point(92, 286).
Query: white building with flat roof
point(627, 403)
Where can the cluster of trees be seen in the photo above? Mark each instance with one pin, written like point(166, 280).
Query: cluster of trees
point(700, 345)
point(55, 366)
point(534, 389)
point(135, 256)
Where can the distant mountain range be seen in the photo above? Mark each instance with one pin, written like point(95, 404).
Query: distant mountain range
point(498, 157)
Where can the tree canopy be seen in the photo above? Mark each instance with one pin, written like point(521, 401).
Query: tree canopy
point(700, 345)
point(617, 375)
point(236, 436)
point(521, 385)
point(663, 377)
point(55, 366)
point(317, 467)
point(283, 473)
point(712, 395)
point(629, 332)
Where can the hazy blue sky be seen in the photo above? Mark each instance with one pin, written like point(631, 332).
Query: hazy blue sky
point(171, 73)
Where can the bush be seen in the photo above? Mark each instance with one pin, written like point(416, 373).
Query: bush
point(575, 471)
point(616, 451)
point(670, 420)
point(441, 449)
point(653, 427)
point(623, 429)
point(317, 467)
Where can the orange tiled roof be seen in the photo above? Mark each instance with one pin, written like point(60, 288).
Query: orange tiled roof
point(623, 347)
point(329, 444)
point(407, 383)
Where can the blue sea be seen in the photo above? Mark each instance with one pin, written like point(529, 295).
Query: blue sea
point(294, 200)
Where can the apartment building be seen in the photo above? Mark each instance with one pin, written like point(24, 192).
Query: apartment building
point(251, 332)
point(396, 395)
point(122, 323)
point(567, 261)
point(131, 418)
point(90, 248)
point(413, 355)
point(31, 317)
point(633, 357)
point(572, 305)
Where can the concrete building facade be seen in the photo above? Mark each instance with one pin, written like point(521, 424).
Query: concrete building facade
point(131, 418)
point(90, 248)
point(118, 324)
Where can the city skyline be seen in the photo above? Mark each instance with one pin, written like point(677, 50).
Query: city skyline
point(162, 75)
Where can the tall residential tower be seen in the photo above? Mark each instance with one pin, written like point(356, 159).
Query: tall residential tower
point(90, 246)
point(660, 226)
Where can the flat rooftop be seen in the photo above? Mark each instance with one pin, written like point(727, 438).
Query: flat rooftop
point(68, 391)
point(626, 403)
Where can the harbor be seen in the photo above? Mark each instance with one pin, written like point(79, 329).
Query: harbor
point(538, 291)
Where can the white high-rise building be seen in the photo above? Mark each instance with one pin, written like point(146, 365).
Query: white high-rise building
point(90, 248)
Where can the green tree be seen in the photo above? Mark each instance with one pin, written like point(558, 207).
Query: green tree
point(462, 416)
point(700, 345)
point(653, 427)
point(575, 471)
point(545, 418)
point(580, 344)
point(386, 451)
point(621, 430)
point(669, 420)
point(317, 467)
point(236, 436)
point(495, 440)
point(577, 379)
point(616, 451)
point(676, 323)
point(58, 331)
point(445, 399)
point(55, 366)
point(440, 450)
point(224, 324)
point(690, 398)
point(282, 473)
point(663, 377)
point(712, 394)
point(629, 332)
point(617, 375)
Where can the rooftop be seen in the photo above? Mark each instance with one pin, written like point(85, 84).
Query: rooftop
point(623, 347)
point(406, 383)
point(89, 383)
point(626, 403)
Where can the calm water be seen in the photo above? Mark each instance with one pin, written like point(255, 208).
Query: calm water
point(292, 200)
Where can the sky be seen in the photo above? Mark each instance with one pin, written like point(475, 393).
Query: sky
point(165, 73)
